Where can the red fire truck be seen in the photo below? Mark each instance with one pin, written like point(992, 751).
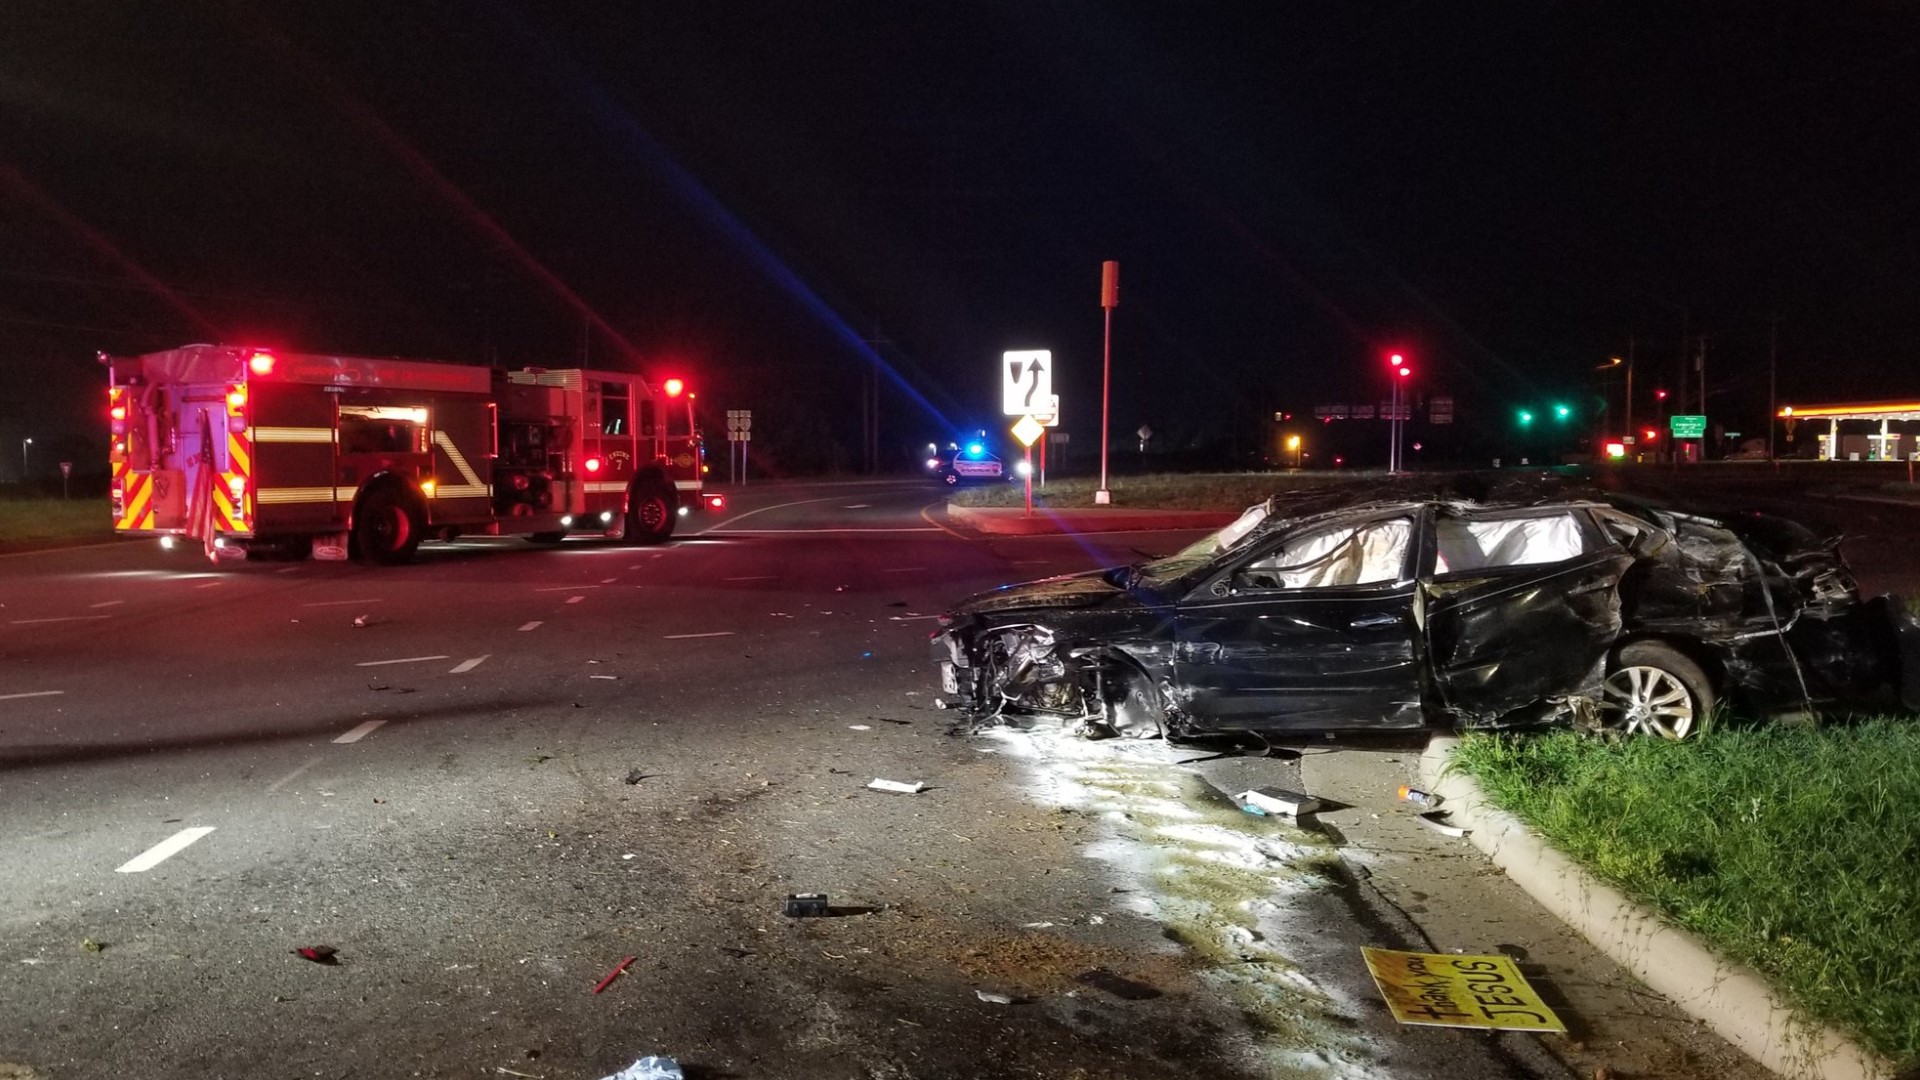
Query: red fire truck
point(244, 448)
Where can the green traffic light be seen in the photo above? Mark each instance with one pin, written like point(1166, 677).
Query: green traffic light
point(1561, 412)
point(1525, 417)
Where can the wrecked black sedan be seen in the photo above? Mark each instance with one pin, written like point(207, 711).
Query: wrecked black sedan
point(1322, 613)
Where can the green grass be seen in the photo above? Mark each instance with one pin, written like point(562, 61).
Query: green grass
point(1161, 491)
point(1795, 850)
point(29, 522)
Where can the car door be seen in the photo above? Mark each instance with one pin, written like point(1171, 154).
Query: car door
point(1312, 630)
point(1519, 606)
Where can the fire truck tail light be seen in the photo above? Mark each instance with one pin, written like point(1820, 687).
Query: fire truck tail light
point(716, 502)
point(683, 511)
point(236, 400)
point(118, 412)
point(674, 387)
point(592, 464)
point(260, 363)
point(237, 487)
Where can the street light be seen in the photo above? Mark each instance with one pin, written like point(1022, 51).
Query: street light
point(24, 467)
point(1293, 447)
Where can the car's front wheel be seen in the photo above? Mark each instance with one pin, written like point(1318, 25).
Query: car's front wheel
point(1655, 689)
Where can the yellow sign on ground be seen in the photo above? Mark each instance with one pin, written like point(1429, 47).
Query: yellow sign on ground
point(1450, 990)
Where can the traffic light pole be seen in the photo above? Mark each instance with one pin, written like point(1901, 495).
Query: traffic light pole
point(1109, 299)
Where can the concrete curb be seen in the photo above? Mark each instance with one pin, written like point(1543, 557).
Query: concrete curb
point(1731, 999)
point(1011, 521)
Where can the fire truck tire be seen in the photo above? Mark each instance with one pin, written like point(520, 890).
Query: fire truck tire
point(387, 529)
point(651, 512)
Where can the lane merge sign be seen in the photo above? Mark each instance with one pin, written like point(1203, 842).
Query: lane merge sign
point(1026, 386)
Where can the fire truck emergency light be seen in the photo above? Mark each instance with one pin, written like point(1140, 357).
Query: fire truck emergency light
point(674, 387)
point(592, 464)
point(260, 363)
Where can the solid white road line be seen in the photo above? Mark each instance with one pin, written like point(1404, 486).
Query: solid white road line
point(534, 625)
point(360, 732)
point(468, 665)
point(567, 588)
point(290, 777)
point(858, 506)
point(63, 618)
point(715, 633)
point(339, 603)
point(36, 693)
point(575, 599)
point(107, 603)
point(162, 851)
point(402, 660)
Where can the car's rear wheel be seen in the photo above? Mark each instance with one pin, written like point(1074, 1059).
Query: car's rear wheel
point(1655, 689)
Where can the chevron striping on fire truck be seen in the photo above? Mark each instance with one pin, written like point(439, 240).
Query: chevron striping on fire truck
point(339, 455)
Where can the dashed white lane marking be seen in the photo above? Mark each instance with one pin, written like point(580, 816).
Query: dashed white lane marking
point(912, 618)
point(107, 603)
point(858, 506)
point(36, 693)
point(210, 585)
point(534, 625)
point(338, 603)
point(162, 851)
point(755, 577)
point(465, 666)
point(608, 580)
point(575, 599)
point(567, 588)
point(713, 633)
point(286, 570)
point(290, 777)
point(402, 660)
point(902, 569)
point(63, 618)
point(360, 731)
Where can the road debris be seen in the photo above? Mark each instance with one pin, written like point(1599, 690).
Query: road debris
point(1458, 990)
point(812, 905)
point(618, 970)
point(360, 620)
point(1439, 821)
point(914, 788)
point(1419, 798)
point(859, 727)
point(634, 776)
point(992, 998)
point(650, 1068)
point(1276, 801)
point(93, 946)
point(603, 676)
point(319, 954)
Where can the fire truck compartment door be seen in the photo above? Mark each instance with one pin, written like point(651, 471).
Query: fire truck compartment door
point(169, 498)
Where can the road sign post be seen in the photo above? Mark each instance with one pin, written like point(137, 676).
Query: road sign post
point(1109, 299)
point(739, 434)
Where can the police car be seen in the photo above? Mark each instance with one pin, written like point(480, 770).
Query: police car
point(965, 462)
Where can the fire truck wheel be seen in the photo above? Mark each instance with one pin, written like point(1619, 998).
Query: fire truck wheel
point(651, 513)
point(386, 530)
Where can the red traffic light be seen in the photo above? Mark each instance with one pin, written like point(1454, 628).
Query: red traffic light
point(1404, 372)
point(1660, 394)
point(1395, 360)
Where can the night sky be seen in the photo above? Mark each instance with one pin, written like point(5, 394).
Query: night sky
point(752, 195)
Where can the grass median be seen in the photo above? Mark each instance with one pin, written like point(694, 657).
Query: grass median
point(1159, 491)
point(28, 523)
point(1790, 849)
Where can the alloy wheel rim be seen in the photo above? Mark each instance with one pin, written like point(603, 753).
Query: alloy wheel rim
point(1649, 700)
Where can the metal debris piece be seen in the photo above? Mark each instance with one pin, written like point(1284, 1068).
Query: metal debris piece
point(1276, 801)
point(1437, 821)
point(914, 788)
point(618, 970)
point(992, 998)
point(810, 905)
point(319, 954)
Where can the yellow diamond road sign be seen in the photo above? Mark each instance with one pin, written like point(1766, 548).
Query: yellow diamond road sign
point(1027, 429)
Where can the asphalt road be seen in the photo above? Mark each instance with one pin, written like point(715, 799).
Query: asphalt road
point(489, 778)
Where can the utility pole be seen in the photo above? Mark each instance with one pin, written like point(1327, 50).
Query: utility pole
point(1773, 367)
point(1109, 299)
point(1629, 402)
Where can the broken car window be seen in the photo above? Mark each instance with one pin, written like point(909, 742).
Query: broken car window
point(1344, 555)
point(1201, 552)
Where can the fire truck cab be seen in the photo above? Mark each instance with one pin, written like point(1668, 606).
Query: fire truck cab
point(246, 448)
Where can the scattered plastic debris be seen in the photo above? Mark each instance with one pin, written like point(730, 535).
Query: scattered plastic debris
point(504, 1071)
point(634, 776)
point(319, 954)
point(650, 1068)
point(603, 676)
point(914, 788)
point(92, 946)
point(1035, 925)
point(859, 727)
point(1268, 801)
point(618, 970)
point(359, 620)
point(812, 905)
point(1419, 798)
point(1437, 820)
point(992, 998)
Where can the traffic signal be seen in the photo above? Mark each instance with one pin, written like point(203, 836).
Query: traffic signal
point(1562, 412)
point(1525, 417)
